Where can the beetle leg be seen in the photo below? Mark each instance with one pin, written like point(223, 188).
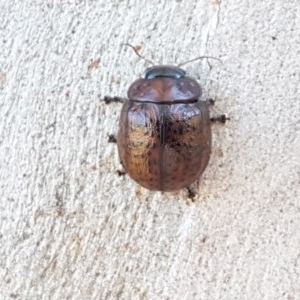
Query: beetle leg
point(191, 194)
point(108, 99)
point(121, 173)
point(210, 102)
point(112, 138)
point(221, 119)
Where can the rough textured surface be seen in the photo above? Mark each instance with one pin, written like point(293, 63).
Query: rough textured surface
point(72, 229)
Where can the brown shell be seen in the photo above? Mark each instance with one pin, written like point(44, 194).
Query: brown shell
point(164, 147)
point(163, 89)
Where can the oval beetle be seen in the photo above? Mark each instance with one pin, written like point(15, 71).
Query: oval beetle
point(164, 138)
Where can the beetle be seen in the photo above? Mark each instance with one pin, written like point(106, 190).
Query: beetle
point(164, 138)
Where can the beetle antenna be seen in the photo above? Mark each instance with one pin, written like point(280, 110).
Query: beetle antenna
point(137, 53)
point(200, 57)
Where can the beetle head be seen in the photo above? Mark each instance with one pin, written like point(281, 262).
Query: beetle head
point(164, 71)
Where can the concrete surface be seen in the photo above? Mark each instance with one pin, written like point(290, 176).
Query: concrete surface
point(72, 229)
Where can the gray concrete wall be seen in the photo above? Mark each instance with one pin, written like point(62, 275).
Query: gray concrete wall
point(72, 229)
